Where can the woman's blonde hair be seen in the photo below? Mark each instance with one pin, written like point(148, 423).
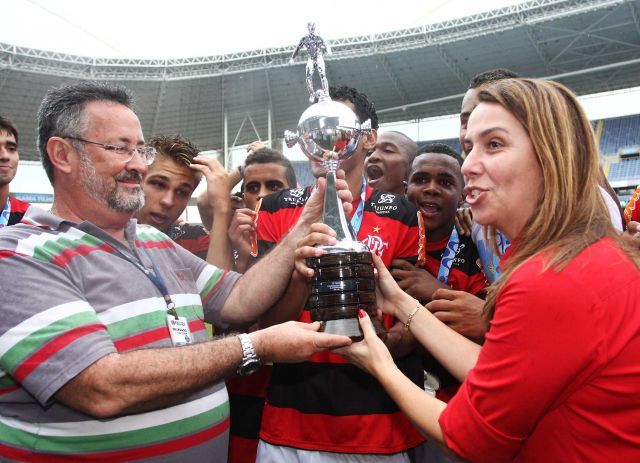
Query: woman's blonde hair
point(571, 213)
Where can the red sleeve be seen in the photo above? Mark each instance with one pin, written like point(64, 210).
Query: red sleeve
point(541, 340)
point(267, 228)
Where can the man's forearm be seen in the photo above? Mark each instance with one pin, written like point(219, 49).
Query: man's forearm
point(148, 379)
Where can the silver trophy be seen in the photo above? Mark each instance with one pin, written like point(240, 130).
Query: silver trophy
point(329, 132)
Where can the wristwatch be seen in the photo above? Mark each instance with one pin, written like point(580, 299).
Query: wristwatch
point(250, 360)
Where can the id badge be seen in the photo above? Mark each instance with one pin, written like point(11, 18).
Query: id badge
point(179, 330)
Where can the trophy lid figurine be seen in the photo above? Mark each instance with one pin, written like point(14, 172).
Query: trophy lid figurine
point(329, 132)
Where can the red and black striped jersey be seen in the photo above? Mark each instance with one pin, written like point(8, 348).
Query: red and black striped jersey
point(466, 273)
point(193, 237)
point(326, 403)
point(389, 222)
point(18, 208)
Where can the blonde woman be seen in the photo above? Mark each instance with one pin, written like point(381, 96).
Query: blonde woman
point(558, 377)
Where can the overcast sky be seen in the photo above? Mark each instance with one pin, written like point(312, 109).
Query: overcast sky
point(186, 28)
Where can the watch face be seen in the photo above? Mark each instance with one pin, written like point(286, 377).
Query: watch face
point(251, 366)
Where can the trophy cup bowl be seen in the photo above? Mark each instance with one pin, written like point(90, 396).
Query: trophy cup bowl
point(343, 282)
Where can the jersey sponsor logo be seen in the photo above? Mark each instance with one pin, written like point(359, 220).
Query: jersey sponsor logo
point(386, 198)
point(376, 244)
point(296, 193)
point(383, 209)
point(295, 197)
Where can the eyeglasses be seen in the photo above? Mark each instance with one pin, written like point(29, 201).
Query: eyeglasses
point(125, 153)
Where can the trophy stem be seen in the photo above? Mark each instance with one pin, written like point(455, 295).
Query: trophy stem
point(334, 212)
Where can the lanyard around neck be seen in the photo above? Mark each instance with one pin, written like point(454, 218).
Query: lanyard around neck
point(356, 218)
point(502, 243)
point(153, 275)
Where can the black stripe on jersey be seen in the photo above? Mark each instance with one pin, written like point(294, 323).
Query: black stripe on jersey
point(467, 257)
point(337, 389)
point(246, 416)
point(392, 206)
point(284, 199)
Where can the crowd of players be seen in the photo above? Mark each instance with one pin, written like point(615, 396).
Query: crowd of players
point(104, 351)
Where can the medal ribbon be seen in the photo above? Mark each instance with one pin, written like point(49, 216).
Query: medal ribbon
point(356, 218)
point(448, 256)
point(502, 243)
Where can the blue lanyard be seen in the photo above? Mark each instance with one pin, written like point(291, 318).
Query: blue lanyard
point(356, 219)
point(448, 256)
point(154, 276)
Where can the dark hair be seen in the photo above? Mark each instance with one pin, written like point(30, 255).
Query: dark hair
point(364, 108)
point(267, 156)
point(61, 112)
point(7, 126)
point(440, 148)
point(491, 76)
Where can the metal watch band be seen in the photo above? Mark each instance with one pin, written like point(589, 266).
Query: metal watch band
point(250, 361)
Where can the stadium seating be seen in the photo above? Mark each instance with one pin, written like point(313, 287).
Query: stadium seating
point(625, 169)
point(619, 133)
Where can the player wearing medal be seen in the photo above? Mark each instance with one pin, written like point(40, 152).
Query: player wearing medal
point(451, 259)
point(103, 350)
point(435, 185)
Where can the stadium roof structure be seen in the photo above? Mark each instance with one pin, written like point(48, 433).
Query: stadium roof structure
point(227, 100)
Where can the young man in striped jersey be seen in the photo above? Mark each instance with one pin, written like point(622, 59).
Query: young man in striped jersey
point(168, 186)
point(325, 410)
point(103, 350)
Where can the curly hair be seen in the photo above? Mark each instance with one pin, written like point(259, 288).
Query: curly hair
point(364, 108)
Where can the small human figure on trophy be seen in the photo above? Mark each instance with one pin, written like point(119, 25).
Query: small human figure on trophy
point(316, 49)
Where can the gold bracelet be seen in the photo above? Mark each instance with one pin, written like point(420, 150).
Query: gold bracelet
point(415, 311)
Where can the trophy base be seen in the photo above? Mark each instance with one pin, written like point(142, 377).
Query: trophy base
point(351, 327)
point(342, 285)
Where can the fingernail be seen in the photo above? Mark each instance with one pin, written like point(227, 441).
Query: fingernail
point(361, 313)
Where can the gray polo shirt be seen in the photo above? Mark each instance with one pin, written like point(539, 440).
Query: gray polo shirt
point(70, 298)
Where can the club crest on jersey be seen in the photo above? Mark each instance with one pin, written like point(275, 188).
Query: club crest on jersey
point(376, 244)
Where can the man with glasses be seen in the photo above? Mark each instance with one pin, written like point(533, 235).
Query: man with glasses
point(103, 350)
